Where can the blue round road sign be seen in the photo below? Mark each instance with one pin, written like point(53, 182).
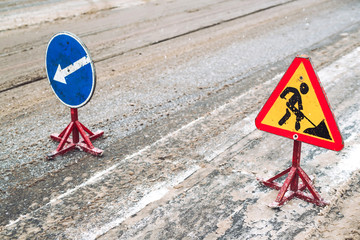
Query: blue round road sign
point(70, 69)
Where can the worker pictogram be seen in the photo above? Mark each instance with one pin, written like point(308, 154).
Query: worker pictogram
point(298, 109)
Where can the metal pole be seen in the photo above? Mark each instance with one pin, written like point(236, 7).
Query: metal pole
point(74, 119)
point(296, 165)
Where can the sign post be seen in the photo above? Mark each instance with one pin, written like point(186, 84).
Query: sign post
point(71, 74)
point(298, 109)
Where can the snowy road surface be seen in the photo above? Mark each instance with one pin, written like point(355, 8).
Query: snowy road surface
point(179, 84)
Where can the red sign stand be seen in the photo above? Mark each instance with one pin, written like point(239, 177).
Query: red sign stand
point(84, 144)
point(292, 181)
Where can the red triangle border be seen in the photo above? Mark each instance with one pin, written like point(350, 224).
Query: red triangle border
point(338, 144)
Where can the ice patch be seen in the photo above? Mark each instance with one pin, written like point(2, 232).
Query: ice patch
point(32, 14)
point(335, 71)
point(157, 192)
point(351, 162)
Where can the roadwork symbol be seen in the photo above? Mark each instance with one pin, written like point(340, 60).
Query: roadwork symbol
point(298, 109)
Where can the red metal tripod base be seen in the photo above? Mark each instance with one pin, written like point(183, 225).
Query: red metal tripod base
point(287, 194)
point(84, 143)
point(80, 145)
point(296, 189)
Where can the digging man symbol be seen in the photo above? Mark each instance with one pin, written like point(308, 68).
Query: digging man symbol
point(294, 99)
point(319, 130)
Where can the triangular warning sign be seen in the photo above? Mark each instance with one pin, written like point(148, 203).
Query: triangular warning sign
point(298, 109)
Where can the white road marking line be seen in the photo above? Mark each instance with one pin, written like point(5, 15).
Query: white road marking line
point(157, 193)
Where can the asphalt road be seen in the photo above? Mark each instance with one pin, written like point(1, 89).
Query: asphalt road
point(179, 84)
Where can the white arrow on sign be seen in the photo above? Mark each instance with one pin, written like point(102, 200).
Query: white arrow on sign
point(62, 73)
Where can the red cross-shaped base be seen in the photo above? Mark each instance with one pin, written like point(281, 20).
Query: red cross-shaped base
point(76, 128)
point(292, 181)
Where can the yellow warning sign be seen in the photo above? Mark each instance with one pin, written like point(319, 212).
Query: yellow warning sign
point(298, 109)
